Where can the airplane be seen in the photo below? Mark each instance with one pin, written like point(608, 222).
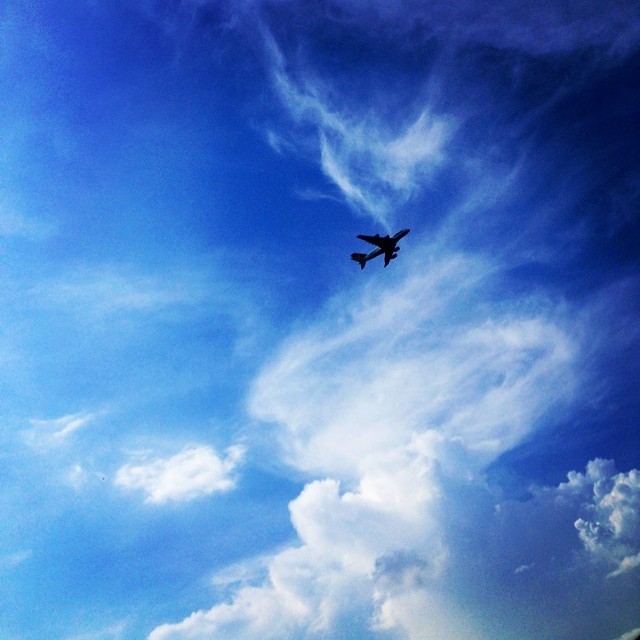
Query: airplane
point(387, 245)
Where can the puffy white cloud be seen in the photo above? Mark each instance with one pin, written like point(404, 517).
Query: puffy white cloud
point(194, 472)
point(407, 546)
point(610, 529)
point(342, 536)
point(392, 428)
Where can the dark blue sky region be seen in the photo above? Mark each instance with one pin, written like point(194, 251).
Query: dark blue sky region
point(215, 425)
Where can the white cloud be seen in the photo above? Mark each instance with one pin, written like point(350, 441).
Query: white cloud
point(411, 610)
point(395, 400)
point(376, 165)
point(341, 537)
point(610, 528)
point(193, 473)
point(634, 634)
point(62, 427)
point(10, 561)
point(344, 389)
point(52, 432)
point(523, 568)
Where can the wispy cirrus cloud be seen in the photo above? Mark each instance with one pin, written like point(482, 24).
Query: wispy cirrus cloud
point(14, 225)
point(561, 28)
point(344, 389)
point(376, 164)
point(51, 432)
point(9, 561)
point(110, 289)
point(634, 634)
point(106, 295)
point(195, 472)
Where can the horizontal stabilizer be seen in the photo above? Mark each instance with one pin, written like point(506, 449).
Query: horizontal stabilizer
point(360, 258)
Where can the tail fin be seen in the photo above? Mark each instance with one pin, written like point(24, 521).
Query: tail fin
point(359, 258)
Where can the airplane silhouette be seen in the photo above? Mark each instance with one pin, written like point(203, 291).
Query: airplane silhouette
point(387, 245)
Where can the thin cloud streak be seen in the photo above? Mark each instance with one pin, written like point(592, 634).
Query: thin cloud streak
point(47, 433)
point(376, 166)
point(563, 27)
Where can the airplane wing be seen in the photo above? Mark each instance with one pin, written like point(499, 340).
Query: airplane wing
point(377, 240)
point(388, 256)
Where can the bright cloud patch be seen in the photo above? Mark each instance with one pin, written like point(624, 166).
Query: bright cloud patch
point(416, 359)
point(410, 545)
point(398, 399)
point(191, 474)
point(342, 535)
point(610, 530)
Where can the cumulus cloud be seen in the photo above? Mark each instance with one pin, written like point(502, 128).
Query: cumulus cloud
point(610, 528)
point(343, 534)
point(193, 473)
point(389, 427)
point(391, 562)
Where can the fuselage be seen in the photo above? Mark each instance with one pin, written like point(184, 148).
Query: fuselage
point(387, 245)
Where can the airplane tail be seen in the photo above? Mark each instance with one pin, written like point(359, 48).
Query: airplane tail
point(359, 258)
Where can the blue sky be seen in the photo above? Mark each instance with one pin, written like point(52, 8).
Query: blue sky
point(214, 424)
